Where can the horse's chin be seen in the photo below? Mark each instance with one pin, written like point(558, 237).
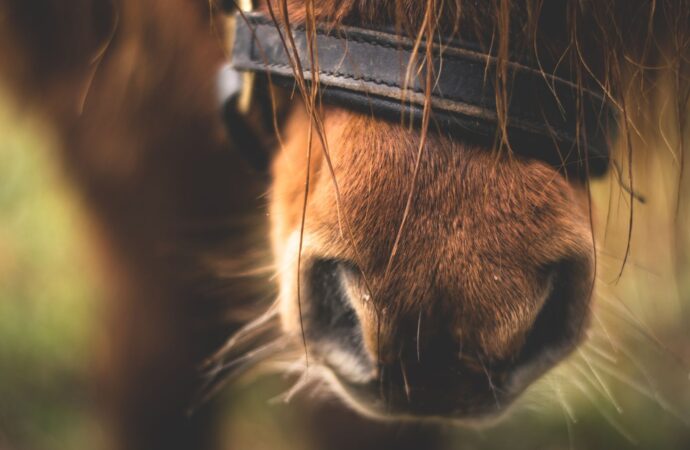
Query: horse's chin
point(367, 400)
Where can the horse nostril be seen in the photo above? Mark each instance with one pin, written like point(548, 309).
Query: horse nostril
point(331, 322)
point(329, 309)
point(561, 321)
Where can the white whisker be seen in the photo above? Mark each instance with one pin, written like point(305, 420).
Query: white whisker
point(650, 392)
point(642, 328)
point(301, 383)
point(590, 345)
point(568, 415)
point(269, 319)
point(601, 382)
point(608, 417)
point(601, 324)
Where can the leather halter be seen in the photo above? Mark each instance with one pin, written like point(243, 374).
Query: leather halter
point(367, 71)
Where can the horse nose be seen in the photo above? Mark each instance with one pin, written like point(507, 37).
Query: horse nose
point(440, 372)
point(332, 327)
point(419, 362)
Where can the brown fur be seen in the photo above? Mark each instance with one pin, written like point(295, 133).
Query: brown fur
point(473, 252)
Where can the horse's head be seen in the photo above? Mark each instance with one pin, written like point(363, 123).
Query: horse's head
point(428, 275)
point(486, 284)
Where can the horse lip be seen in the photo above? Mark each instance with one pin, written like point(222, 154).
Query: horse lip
point(448, 404)
point(485, 409)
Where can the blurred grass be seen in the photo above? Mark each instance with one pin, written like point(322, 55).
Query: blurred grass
point(46, 297)
point(628, 388)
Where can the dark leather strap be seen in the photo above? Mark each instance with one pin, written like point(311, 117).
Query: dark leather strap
point(367, 71)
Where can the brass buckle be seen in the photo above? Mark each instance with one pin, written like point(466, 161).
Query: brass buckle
point(244, 99)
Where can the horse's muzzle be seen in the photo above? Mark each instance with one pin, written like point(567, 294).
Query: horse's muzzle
point(441, 377)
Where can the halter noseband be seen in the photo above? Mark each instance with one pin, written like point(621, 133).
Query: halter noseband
point(367, 71)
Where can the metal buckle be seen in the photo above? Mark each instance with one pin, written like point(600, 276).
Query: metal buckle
point(245, 96)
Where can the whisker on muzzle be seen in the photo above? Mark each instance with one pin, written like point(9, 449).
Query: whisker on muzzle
point(254, 344)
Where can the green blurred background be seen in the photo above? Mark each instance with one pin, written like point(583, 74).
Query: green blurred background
point(628, 387)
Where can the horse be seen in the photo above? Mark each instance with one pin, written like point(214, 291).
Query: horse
point(425, 271)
